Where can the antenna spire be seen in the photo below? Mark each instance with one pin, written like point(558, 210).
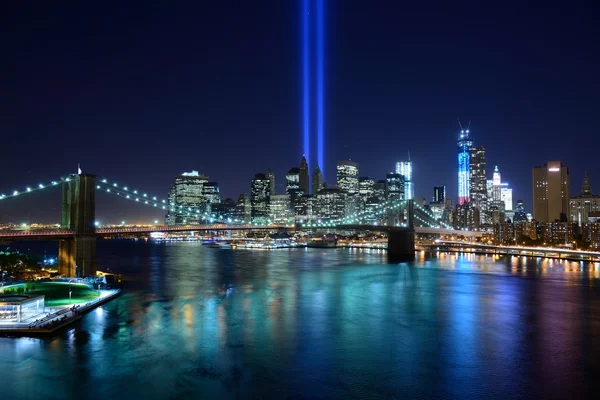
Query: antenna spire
point(78, 169)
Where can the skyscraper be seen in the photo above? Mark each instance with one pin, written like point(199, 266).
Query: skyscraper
point(347, 176)
point(366, 188)
point(506, 196)
point(464, 166)
point(551, 188)
point(303, 176)
point(404, 168)
point(395, 186)
point(477, 180)
point(292, 180)
point(520, 215)
point(317, 180)
point(439, 194)
point(211, 192)
point(496, 185)
point(187, 193)
point(260, 196)
point(271, 178)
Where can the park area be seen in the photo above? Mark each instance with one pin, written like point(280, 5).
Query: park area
point(56, 293)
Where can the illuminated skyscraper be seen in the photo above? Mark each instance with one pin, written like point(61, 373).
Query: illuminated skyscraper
point(395, 186)
point(404, 168)
point(439, 194)
point(347, 176)
point(551, 188)
point(477, 181)
point(187, 199)
point(271, 177)
point(260, 197)
point(464, 166)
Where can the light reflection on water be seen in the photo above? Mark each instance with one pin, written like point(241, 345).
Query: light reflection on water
point(328, 323)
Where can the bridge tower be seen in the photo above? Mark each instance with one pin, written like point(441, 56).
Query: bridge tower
point(77, 256)
point(401, 240)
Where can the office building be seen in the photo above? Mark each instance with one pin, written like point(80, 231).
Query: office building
point(243, 209)
point(464, 167)
point(347, 176)
point(330, 204)
point(303, 178)
point(380, 190)
point(404, 168)
point(551, 192)
point(292, 180)
point(187, 200)
point(212, 193)
point(317, 180)
point(280, 209)
point(477, 180)
point(585, 204)
point(506, 196)
point(225, 210)
point(395, 186)
point(260, 196)
point(439, 194)
point(366, 188)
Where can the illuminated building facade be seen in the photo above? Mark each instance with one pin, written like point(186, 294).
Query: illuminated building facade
point(330, 204)
point(280, 209)
point(212, 193)
point(439, 194)
point(243, 209)
point(292, 180)
point(551, 192)
point(477, 181)
point(187, 199)
point(260, 196)
point(395, 186)
point(303, 180)
point(464, 167)
point(366, 188)
point(404, 168)
point(347, 176)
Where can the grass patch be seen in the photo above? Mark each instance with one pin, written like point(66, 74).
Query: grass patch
point(56, 293)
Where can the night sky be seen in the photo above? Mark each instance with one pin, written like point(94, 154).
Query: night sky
point(141, 93)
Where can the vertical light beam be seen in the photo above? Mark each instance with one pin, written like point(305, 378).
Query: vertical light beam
point(320, 89)
point(306, 76)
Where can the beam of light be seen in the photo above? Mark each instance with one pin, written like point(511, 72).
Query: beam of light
point(306, 77)
point(320, 89)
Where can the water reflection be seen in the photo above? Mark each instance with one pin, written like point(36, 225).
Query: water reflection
point(326, 323)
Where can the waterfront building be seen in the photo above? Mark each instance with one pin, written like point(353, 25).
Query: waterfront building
point(317, 180)
point(260, 195)
point(280, 209)
point(395, 186)
point(243, 209)
point(18, 308)
point(551, 192)
point(464, 167)
point(187, 201)
point(404, 168)
point(439, 194)
point(330, 204)
point(591, 235)
point(303, 178)
point(558, 233)
point(347, 176)
point(478, 182)
point(271, 178)
point(586, 203)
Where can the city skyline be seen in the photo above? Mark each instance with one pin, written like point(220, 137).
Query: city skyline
point(119, 123)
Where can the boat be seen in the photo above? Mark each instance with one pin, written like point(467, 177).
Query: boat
point(220, 245)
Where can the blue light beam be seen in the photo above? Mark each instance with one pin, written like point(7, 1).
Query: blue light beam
point(306, 76)
point(320, 87)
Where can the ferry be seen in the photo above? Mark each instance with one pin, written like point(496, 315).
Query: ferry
point(326, 241)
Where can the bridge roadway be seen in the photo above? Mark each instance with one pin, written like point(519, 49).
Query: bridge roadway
point(102, 232)
point(549, 252)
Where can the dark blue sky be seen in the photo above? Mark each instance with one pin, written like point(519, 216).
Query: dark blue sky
point(141, 93)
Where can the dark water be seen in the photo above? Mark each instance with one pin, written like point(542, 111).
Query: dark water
point(196, 322)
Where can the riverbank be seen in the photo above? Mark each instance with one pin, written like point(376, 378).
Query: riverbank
point(56, 318)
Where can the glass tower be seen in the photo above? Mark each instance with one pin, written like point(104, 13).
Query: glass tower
point(464, 167)
point(404, 168)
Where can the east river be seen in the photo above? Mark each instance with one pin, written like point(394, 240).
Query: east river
point(196, 322)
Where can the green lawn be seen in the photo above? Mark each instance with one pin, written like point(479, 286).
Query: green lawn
point(56, 293)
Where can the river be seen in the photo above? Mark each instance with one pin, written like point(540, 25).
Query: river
point(196, 322)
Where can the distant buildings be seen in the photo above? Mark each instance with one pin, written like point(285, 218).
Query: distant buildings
point(366, 188)
point(584, 205)
point(520, 215)
point(271, 178)
point(330, 204)
point(551, 188)
point(303, 176)
point(280, 209)
point(395, 186)
point(404, 168)
point(188, 201)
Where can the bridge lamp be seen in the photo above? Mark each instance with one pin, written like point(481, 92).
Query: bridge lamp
point(103, 180)
point(145, 195)
point(115, 184)
point(97, 186)
point(96, 223)
point(125, 188)
point(15, 193)
point(54, 183)
point(127, 196)
point(156, 221)
point(108, 190)
point(122, 222)
point(154, 198)
point(163, 201)
point(24, 224)
point(41, 186)
point(135, 192)
point(29, 189)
